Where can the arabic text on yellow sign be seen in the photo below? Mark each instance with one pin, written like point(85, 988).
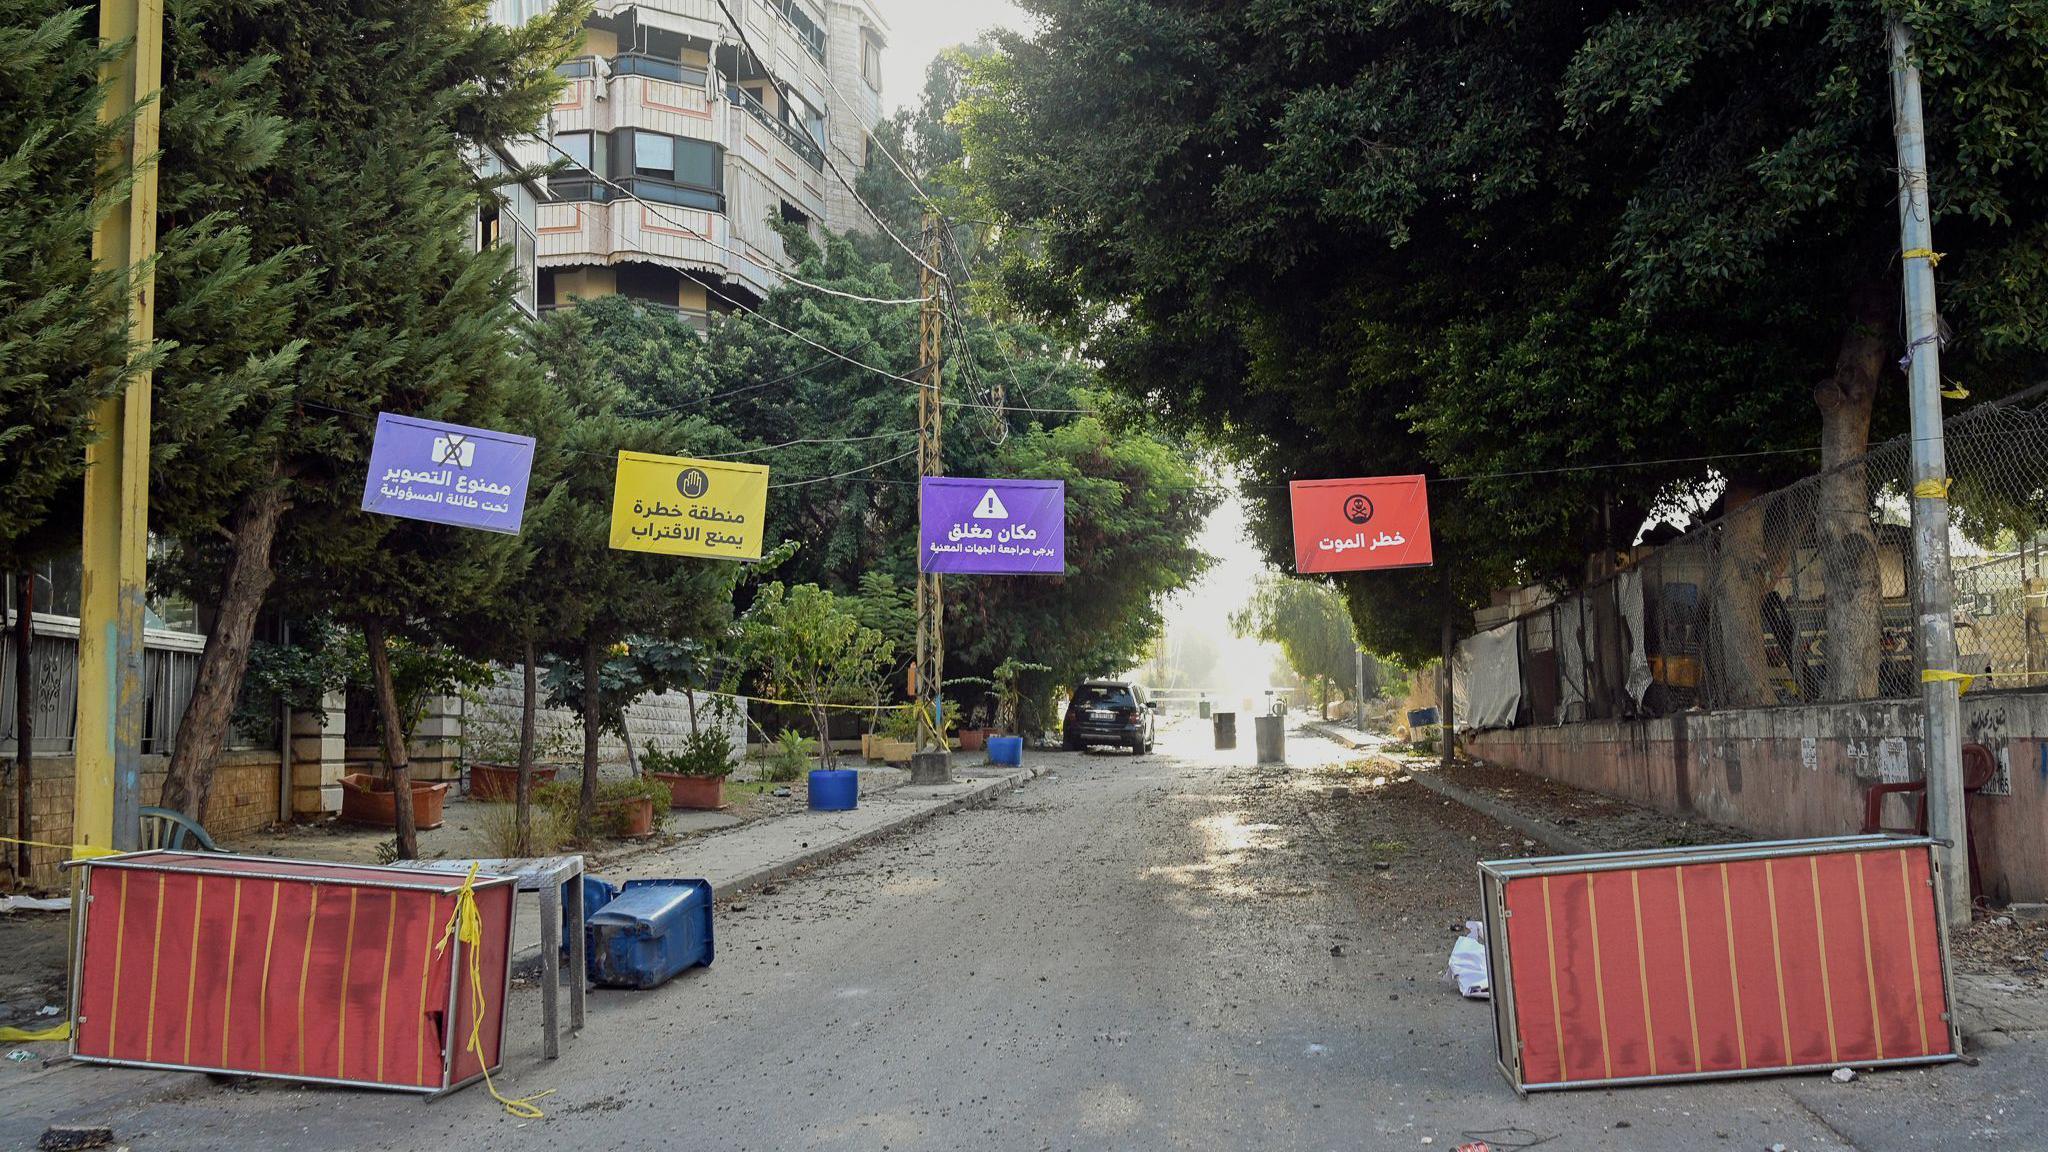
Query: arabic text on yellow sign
point(683, 507)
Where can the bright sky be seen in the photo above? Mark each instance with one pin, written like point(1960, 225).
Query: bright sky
point(918, 29)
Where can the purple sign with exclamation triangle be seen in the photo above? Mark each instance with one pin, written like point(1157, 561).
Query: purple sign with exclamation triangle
point(992, 527)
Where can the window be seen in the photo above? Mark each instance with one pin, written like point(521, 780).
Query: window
point(654, 155)
point(576, 145)
point(699, 164)
point(585, 155)
point(870, 59)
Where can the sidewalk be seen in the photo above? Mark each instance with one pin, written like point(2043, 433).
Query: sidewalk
point(735, 860)
point(2000, 989)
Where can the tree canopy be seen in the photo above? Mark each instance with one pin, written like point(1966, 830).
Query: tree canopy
point(1508, 245)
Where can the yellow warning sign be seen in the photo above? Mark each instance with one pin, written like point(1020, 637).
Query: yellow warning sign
point(683, 507)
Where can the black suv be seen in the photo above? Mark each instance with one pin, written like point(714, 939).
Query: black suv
point(1116, 712)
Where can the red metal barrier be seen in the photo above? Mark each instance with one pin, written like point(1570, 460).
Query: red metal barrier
point(1730, 960)
point(290, 969)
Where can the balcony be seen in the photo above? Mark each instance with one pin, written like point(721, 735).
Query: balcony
point(801, 25)
point(798, 141)
point(657, 68)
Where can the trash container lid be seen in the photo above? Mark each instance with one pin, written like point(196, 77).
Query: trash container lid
point(652, 905)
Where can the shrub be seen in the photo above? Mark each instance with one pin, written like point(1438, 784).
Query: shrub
point(792, 755)
point(707, 752)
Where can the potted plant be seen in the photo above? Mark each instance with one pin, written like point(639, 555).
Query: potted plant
point(790, 758)
point(626, 807)
point(368, 800)
point(490, 750)
point(695, 772)
point(1008, 681)
point(897, 738)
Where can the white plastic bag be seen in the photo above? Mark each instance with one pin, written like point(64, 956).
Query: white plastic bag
point(1468, 963)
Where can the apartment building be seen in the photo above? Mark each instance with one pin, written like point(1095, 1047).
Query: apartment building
point(683, 145)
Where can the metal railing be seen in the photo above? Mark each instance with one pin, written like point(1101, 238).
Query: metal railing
point(798, 141)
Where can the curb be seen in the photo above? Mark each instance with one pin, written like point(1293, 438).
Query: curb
point(1540, 830)
point(989, 789)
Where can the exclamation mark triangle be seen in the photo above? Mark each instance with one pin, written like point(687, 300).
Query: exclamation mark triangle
point(991, 507)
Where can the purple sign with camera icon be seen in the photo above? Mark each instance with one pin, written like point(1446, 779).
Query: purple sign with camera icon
point(448, 474)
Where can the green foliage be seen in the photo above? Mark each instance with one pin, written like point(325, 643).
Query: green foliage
point(705, 752)
point(1500, 240)
point(808, 646)
point(561, 799)
point(791, 757)
point(62, 332)
point(419, 673)
point(1307, 619)
point(898, 724)
point(298, 675)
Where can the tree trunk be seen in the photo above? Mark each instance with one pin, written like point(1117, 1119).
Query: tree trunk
point(395, 752)
point(203, 731)
point(1848, 545)
point(586, 800)
point(690, 695)
point(821, 718)
point(1750, 556)
point(24, 715)
point(529, 702)
point(626, 738)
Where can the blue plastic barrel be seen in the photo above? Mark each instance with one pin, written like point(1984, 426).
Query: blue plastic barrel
point(655, 929)
point(834, 789)
point(1007, 751)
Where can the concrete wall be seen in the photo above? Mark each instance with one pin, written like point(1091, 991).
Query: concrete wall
point(244, 799)
point(1804, 771)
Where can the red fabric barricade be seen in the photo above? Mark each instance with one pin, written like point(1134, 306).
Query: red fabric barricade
point(290, 969)
point(1716, 961)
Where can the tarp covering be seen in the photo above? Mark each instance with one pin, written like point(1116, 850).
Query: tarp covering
point(1629, 589)
point(1487, 678)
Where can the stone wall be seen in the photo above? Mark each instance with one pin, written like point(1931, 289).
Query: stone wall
point(244, 798)
point(1805, 771)
point(662, 721)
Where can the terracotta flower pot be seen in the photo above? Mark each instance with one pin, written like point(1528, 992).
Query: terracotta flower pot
point(367, 799)
point(705, 793)
point(632, 819)
point(500, 782)
point(973, 739)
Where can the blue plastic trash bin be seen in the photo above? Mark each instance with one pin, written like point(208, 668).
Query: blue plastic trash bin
point(1007, 751)
point(655, 929)
point(834, 789)
point(596, 894)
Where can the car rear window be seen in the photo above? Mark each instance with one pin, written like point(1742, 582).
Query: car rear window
point(1104, 696)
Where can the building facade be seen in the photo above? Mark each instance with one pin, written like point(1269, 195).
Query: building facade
point(681, 145)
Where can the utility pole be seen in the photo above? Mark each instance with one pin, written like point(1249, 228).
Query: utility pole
point(931, 601)
point(1934, 579)
point(108, 780)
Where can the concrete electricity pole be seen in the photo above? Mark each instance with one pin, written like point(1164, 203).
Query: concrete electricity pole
point(931, 603)
point(108, 773)
point(1934, 579)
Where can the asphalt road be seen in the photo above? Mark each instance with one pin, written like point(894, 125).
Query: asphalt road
point(1166, 952)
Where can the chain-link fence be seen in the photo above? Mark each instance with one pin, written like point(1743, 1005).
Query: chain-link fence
point(1806, 593)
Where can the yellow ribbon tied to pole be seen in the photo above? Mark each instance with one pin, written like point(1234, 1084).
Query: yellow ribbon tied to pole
point(466, 924)
point(1932, 257)
point(1933, 489)
point(1942, 675)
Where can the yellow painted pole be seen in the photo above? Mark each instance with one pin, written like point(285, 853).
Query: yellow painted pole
point(107, 797)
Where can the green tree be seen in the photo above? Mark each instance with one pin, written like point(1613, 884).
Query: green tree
point(602, 597)
point(356, 199)
point(810, 646)
point(1497, 241)
point(1308, 620)
point(62, 328)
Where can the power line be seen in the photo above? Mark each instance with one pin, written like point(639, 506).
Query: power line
point(782, 92)
point(851, 472)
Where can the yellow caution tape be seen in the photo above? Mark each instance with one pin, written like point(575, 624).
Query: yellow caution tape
point(1956, 393)
point(1940, 675)
point(78, 851)
point(1933, 489)
point(24, 1036)
point(467, 925)
point(1932, 257)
